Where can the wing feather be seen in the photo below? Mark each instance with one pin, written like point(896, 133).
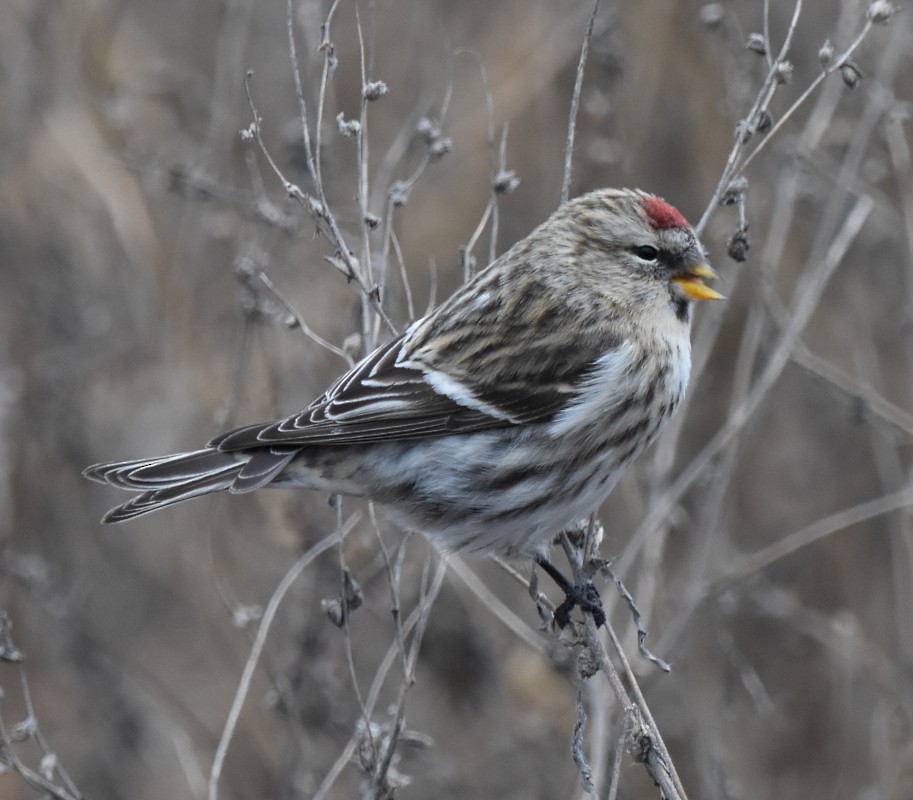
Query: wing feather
point(399, 392)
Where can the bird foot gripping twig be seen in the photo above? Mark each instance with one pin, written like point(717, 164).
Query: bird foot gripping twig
point(586, 596)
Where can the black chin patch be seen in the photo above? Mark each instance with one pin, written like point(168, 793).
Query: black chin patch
point(682, 309)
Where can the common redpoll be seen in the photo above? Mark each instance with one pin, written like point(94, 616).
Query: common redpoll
point(506, 414)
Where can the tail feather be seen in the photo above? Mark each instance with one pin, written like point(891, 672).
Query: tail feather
point(171, 479)
point(149, 474)
point(264, 465)
point(160, 498)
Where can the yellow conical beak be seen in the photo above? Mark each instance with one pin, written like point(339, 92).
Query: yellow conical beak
point(692, 283)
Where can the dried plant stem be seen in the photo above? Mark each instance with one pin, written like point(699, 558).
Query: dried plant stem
point(737, 162)
point(329, 56)
point(857, 390)
point(600, 707)
point(429, 594)
point(370, 322)
point(300, 322)
point(319, 209)
point(30, 730)
point(761, 102)
point(253, 659)
point(34, 779)
point(615, 775)
point(644, 738)
point(309, 158)
point(495, 606)
point(802, 98)
point(345, 613)
point(854, 515)
point(575, 105)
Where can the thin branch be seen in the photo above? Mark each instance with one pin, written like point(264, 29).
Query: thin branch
point(369, 330)
point(492, 207)
point(425, 604)
point(800, 100)
point(256, 650)
point(404, 276)
point(299, 94)
point(371, 700)
point(329, 65)
point(874, 403)
point(583, 766)
point(300, 322)
point(762, 100)
point(656, 758)
point(468, 268)
point(393, 571)
point(30, 729)
point(616, 760)
point(493, 604)
point(575, 105)
point(644, 737)
point(320, 211)
point(501, 181)
point(840, 520)
point(345, 619)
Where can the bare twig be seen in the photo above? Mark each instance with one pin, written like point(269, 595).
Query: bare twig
point(320, 212)
point(583, 766)
point(638, 624)
point(761, 102)
point(644, 739)
point(43, 779)
point(490, 601)
point(738, 162)
point(299, 94)
point(466, 250)
point(575, 105)
point(371, 700)
point(329, 66)
point(854, 515)
point(427, 600)
point(615, 774)
point(262, 630)
point(802, 98)
point(300, 321)
point(856, 390)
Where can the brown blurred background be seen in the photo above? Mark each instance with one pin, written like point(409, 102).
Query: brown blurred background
point(130, 212)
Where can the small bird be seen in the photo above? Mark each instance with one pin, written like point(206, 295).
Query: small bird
point(506, 414)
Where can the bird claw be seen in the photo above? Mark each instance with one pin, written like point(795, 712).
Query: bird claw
point(585, 596)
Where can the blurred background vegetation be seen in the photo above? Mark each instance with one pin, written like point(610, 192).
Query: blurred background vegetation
point(779, 582)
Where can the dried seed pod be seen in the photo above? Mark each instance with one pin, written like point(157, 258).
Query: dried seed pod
point(757, 43)
point(347, 127)
point(374, 90)
point(851, 73)
point(783, 72)
point(880, 12)
point(738, 245)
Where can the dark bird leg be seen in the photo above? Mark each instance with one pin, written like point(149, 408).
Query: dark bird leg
point(584, 595)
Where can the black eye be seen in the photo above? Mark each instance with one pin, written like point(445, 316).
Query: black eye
point(646, 252)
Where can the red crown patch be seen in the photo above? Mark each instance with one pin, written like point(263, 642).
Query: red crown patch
point(662, 215)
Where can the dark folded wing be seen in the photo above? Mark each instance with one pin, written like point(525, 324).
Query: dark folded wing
point(388, 397)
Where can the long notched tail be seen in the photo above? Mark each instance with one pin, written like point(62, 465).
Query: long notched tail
point(171, 479)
